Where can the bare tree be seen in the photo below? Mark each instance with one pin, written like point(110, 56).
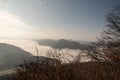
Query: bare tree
point(110, 38)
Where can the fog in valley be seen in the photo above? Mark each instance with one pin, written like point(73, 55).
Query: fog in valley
point(59, 39)
point(31, 46)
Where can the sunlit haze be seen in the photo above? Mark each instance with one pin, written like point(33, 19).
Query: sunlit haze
point(53, 19)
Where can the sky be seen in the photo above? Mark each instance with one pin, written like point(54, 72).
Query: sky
point(54, 19)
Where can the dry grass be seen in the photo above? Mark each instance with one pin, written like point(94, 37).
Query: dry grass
point(71, 71)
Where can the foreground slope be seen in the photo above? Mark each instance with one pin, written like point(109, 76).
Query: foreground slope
point(10, 56)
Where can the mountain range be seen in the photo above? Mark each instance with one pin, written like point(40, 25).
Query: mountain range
point(63, 43)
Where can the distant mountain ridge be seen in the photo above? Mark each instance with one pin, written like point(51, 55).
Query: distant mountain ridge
point(63, 43)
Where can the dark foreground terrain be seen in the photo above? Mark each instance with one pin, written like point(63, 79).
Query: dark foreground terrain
point(71, 71)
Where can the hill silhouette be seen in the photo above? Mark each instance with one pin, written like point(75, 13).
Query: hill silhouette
point(63, 43)
point(10, 56)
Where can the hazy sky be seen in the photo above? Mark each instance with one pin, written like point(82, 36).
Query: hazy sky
point(54, 19)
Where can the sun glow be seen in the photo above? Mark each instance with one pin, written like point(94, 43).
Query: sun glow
point(12, 26)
